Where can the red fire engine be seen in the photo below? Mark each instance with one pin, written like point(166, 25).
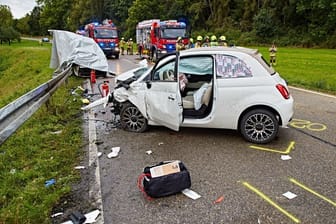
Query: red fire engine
point(156, 38)
point(106, 36)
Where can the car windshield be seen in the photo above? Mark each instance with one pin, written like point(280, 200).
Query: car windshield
point(140, 72)
point(173, 33)
point(106, 33)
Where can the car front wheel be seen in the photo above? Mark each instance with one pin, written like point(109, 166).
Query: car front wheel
point(131, 119)
point(259, 126)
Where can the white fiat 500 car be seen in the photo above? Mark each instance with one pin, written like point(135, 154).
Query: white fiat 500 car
point(218, 87)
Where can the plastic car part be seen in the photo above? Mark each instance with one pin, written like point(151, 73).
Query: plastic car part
point(131, 119)
point(259, 126)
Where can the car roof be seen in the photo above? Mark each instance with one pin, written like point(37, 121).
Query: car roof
point(214, 50)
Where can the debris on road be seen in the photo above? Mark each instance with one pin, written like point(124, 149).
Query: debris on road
point(285, 157)
point(80, 218)
point(191, 194)
point(289, 195)
point(85, 101)
point(219, 200)
point(114, 153)
point(77, 218)
point(99, 154)
point(92, 216)
point(149, 152)
point(79, 167)
point(56, 214)
point(98, 142)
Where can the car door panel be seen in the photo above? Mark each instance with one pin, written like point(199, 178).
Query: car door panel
point(163, 104)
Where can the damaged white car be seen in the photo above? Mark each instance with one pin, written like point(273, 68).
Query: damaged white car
point(228, 88)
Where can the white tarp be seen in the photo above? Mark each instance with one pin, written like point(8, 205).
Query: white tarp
point(70, 48)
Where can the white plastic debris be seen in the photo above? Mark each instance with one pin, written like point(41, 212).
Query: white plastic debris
point(92, 216)
point(57, 132)
point(79, 167)
point(160, 143)
point(289, 195)
point(149, 152)
point(191, 194)
point(286, 157)
point(56, 214)
point(99, 154)
point(114, 153)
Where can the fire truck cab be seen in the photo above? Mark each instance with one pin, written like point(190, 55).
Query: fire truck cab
point(156, 38)
point(106, 36)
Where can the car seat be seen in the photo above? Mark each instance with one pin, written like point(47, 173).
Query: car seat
point(166, 75)
point(195, 100)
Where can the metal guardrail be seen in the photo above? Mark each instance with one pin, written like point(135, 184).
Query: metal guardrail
point(17, 112)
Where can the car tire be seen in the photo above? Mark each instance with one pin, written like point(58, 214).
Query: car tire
point(131, 119)
point(259, 126)
point(116, 56)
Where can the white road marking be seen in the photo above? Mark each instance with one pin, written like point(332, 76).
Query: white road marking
point(313, 92)
point(95, 185)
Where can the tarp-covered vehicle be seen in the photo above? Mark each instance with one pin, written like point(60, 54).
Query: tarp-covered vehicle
point(229, 88)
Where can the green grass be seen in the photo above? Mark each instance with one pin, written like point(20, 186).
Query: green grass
point(22, 67)
point(313, 69)
point(35, 154)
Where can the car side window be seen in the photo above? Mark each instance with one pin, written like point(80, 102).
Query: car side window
point(228, 66)
point(165, 72)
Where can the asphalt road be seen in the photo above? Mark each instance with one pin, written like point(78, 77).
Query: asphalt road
point(251, 179)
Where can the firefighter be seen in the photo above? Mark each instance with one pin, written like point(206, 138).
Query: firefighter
point(191, 43)
point(213, 42)
point(272, 51)
point(198, 41)
point(179, 44)
point(206, 42)
point(122, 44)
point(222, 41)
point(130, 46)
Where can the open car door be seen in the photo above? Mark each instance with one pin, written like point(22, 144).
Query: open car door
point(163, 98)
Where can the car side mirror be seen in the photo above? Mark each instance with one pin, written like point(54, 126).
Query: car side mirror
point(148, 84)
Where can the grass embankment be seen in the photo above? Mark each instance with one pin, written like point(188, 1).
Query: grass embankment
point(47, 146)
point(313, 69)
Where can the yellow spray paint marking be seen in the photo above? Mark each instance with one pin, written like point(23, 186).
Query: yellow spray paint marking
point(312, 191)
point(263, 196)
point(301, 124)
point(289, 148)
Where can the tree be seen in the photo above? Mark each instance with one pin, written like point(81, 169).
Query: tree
point(6, 16)
point(21, 25)
point(54, 14)
point(34, 21)
point(7, 34)
point(263, 24)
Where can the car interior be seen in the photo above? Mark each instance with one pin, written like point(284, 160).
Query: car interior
point(197, 96)
point(195, 81)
